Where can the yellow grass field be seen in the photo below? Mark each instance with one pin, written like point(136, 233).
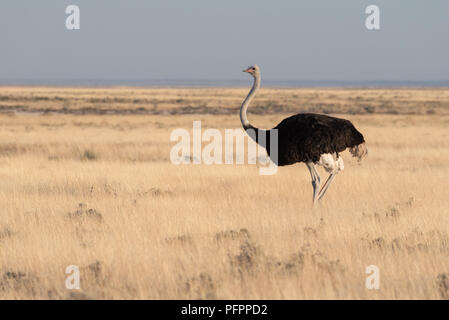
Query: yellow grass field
point(86, 180)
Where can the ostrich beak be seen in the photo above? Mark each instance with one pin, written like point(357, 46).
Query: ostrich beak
point(246, 70)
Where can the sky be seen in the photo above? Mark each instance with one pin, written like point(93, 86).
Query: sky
point(134, 40)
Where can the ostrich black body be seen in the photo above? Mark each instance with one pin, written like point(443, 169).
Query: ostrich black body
point(305, 137)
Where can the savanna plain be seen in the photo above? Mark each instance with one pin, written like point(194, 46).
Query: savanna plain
point(86, 180)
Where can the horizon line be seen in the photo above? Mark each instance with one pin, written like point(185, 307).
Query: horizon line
point(219, 82)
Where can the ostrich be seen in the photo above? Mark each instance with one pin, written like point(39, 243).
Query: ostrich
point(314, 139)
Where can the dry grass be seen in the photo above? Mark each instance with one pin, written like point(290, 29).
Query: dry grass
point(172, 101)
point(98, 191)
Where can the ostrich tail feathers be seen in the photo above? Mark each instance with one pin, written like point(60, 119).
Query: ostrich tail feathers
point(359, 151)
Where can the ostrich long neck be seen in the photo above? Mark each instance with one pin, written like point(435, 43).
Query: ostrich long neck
point(243, 118)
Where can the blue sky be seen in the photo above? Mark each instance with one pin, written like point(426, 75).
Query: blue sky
point(203, 39)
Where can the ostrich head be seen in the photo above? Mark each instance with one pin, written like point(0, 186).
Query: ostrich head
point(253, 70)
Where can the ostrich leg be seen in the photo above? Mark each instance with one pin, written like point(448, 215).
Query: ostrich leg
point(326, 185)
point(315, 180)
